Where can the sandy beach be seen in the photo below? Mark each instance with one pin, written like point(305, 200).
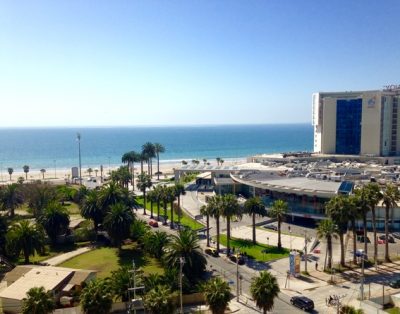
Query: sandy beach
point(51, 174)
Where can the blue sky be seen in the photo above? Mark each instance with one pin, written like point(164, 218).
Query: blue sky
point(108, 63)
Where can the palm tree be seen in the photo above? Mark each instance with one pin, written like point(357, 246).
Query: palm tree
point(327, 229)
point(89, 171)
point(339, 213)
point(26, 237)
point(255, 206)
point(117, 222)
point(38, 301)
point(350, 203)
point(363, 208)
point(96, 297)
point(221, 161)
point(264, 289)
point(26, 170)
point(170, 198)
point(43, 171)
point(204, 161)
point(179, 190)
point(144, 182)
point(158, 190)
point(390, 197)
point(184, 162)
point(149, 151)
point(374, 195)
point(120, 280)
point(11, 198)
point(348, 309)
point(55, 221)
point(112, 194)
point(164, 198)
point(186, 244)
point(39, 196)
point(218, 160)
point(159, 300)
point(158, 149)
point(278, 210)
point(230, 208)
point(155, 242)
point(152, 198)
point(10, 172)
point(215, 203)
point(217, 294)
point(206, 210)
point(91, 209)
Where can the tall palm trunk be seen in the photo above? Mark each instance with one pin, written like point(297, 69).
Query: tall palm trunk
point(374, 230)
point(217, 226)
point(133, 176)
point(158, 166)
point(365, 233)
point(329, 249)
point(341, 240)
point(165, 213)
point(353, 228)
point(208, 229)
point(387, 258)
point(254, 228)
point(279, 233)
point(144, 201)
point(171, 225)
point(151, 209)
point(141, 167)
point(228, 235)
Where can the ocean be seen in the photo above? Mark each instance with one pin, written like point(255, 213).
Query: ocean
point(50, 147)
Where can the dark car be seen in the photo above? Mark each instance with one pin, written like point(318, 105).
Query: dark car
point(211, 251)
point(271, 227)
point(395, 284)
point(240, 260)
point(396, 235)
point(390, 238)
point(303, 303)
point(361, 239)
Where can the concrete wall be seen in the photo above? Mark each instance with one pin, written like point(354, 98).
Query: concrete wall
point(11, 305)
point(371, 124)
point(328, 145)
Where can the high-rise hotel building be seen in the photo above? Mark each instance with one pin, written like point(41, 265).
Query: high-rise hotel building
point(357, 123)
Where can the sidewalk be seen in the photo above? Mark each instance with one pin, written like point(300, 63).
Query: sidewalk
point(54, 261)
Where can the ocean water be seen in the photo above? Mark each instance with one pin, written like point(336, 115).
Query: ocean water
point(49, 147)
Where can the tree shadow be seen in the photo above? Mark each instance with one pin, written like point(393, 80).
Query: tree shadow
point(130, 253)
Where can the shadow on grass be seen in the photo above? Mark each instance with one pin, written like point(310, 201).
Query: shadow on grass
point(129, 253)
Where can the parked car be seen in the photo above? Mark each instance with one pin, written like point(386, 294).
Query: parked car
point(271, 227)
point(396, 235)
point(395, 283)
point(302, 302)
point(360, 238)
point(153, 223)
point(390, 238)
point(211, 251)
point(240, 260)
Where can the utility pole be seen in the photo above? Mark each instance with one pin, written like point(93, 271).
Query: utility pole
point(181, 263)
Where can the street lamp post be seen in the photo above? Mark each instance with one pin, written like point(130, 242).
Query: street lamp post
point(78, 138)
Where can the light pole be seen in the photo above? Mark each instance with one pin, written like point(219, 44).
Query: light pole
point(361, 254)
point(237, 275)
point(78, 138)
point(181, 263)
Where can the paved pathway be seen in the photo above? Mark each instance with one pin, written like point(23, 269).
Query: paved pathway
point(54, 261)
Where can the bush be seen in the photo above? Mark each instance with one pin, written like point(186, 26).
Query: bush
point(84, 234)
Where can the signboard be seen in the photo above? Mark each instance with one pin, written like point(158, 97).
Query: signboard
point(391, 87)
point(294, 264)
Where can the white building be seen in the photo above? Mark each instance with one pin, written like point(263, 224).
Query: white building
point(357, 123)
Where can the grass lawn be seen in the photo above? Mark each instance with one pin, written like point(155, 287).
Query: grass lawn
point(394, 310)
point(256, 251)
point(72, 208)
point(106, 259)
point(186, 220)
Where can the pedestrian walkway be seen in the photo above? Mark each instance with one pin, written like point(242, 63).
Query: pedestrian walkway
point(59, 259)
